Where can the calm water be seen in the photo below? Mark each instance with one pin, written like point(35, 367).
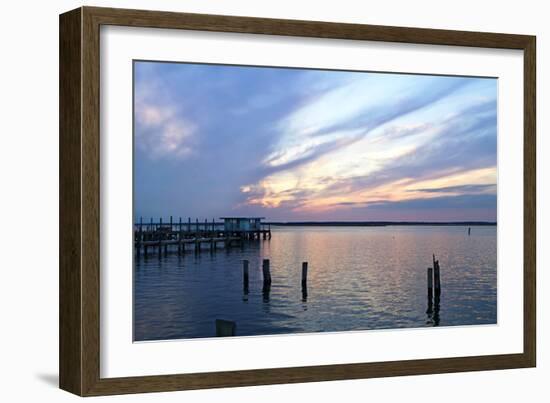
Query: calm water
point(359, 278)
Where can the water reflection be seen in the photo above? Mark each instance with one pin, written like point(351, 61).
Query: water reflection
point(433, 311)
point(358, 278)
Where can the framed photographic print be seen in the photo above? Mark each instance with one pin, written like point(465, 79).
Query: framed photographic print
point(249, 201)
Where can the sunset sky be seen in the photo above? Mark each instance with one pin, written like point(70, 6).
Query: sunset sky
point(297, 144)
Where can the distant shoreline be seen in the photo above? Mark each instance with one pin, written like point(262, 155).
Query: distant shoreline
point(378, 223)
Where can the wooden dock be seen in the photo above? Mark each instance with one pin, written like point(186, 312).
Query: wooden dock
point(176, 236)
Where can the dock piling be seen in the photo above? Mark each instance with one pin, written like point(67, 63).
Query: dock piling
point(304, 281)
point(437, 292)
point(225, 328)
point(179, 237)
point(267, 280)
point(266, 272)
point(437, 279)
point(430, 291)
point(139, 237)
point(245, 276)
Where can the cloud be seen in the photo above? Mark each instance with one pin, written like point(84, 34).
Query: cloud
point(463, 142)
point(300, 143)
point(161, 132)
point(462, 202)
point(463, 189)
point(346, 114)
point(458, 148)
point(458, 207)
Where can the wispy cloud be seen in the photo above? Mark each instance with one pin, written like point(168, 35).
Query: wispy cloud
point(161, 129)
point(345, 115)
point(463, 189)
point(163, 133)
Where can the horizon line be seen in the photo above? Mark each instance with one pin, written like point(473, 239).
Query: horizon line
point(342, 222)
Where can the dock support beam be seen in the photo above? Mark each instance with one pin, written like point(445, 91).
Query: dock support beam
point(180, 236)
point(139, 237)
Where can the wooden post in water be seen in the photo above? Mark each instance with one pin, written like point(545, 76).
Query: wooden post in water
point(437, 280)
point(151, 225)
point(197, 226)
point(188, 224)
point(430, 290)
point(225, 328)
point(437, 292)
point(304, 281)
point(267, 275)
point(245, 276)
point(179, 237)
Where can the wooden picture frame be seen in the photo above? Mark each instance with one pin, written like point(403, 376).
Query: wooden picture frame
point(79, 346)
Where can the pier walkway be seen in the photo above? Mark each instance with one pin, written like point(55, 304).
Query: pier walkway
point(156, 236)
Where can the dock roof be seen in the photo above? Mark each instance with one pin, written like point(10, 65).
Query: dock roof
point(242, 218)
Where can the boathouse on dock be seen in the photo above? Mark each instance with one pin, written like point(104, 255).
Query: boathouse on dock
point(242, 223)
